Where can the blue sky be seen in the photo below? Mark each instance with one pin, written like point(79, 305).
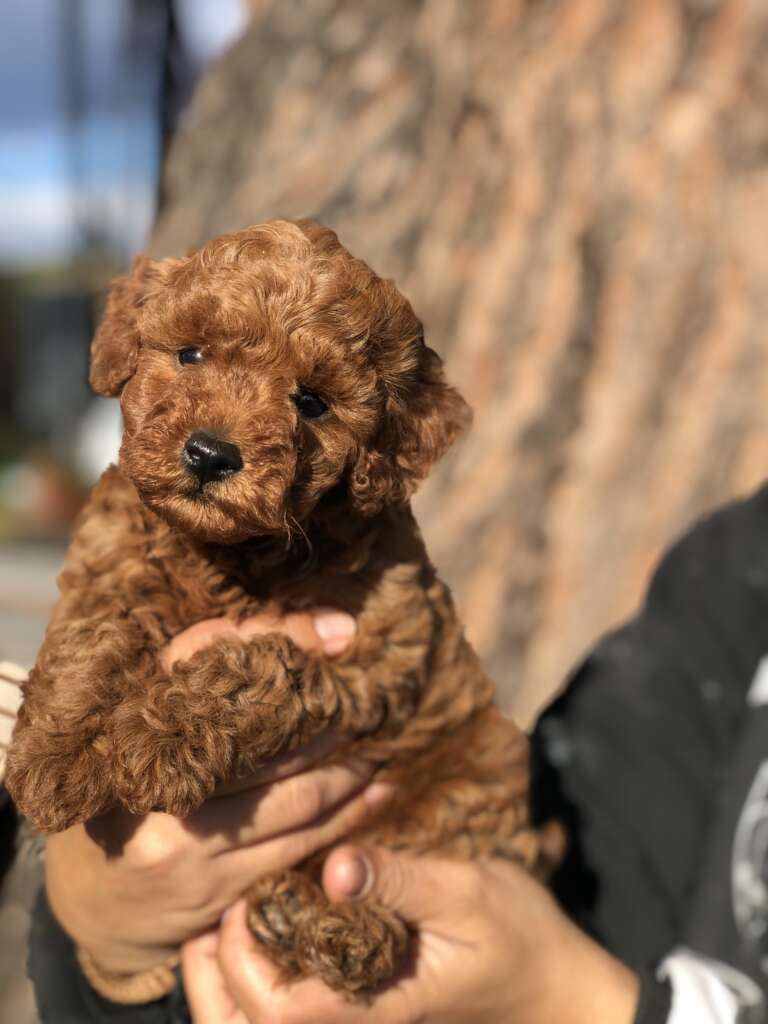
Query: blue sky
point(56, 175)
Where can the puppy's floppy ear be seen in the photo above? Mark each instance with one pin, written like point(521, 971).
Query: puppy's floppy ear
point(419, 424)
point(115, 346)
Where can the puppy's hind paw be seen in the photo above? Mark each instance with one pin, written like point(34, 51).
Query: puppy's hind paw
point(356, 948)
point(276, 906)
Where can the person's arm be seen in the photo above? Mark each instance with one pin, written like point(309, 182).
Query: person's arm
point(63, 994)
point(634, 754)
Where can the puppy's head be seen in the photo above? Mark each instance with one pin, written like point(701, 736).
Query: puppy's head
point(262, 371)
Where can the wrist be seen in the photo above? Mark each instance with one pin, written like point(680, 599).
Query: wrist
point(610, 992)
point(96, 938)
point(588, 984)
point(116, 957)
point(129, 988)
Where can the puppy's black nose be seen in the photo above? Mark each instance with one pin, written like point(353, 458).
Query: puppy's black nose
point(209, 458)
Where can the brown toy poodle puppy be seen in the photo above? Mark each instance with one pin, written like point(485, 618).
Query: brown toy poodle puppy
point(280, 408)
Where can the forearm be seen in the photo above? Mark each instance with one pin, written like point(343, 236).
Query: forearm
point(611, 993)
point(579, 982)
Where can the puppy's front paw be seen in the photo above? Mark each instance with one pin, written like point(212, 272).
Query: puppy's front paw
point(163, 765)
point(57, 788)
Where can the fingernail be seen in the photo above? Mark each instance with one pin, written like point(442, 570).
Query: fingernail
point(378, 794)
point(356, 877)
point(335, 630)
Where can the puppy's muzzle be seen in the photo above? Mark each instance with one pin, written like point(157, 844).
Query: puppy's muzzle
point(210, 458)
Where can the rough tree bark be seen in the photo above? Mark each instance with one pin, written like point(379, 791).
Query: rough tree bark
point(572, 192)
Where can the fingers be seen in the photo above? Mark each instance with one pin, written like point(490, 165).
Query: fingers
point(299, 626)
point(248, 974)
point(208, 998)
point(194, 639)
point(248, 864)
point(334, 628)
point(258, 990)
point(419, 890)
point(325, 630)
point(261, 813)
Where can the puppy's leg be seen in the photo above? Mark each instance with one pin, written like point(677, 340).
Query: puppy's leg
point(59, 769)
point(355, 948)
point(58, 778)
point(466, 795)
point(237, 704)
point(213, 718)
point(101, 644)
point(277, 905)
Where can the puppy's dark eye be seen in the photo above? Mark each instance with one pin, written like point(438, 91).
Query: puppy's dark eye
point(310, 405)
point(190, 356)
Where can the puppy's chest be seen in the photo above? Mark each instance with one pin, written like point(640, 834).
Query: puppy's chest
point(196, 585)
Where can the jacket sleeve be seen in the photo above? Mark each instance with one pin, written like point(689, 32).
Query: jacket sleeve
point(64, 996)
point(632, 753)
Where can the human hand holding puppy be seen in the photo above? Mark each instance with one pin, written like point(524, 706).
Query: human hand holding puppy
point(493, 945)
point(165, 879)
point(493, 948)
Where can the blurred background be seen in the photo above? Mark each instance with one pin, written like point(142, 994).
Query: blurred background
point(572, 193)
point(90, 94)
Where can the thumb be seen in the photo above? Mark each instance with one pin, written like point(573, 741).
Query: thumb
point(419, 890)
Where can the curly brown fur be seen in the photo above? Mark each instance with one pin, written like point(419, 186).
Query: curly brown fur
point(317, 514)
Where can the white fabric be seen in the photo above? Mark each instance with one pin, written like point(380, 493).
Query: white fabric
point(11, 678)
point(706, 991)
point(758, 690)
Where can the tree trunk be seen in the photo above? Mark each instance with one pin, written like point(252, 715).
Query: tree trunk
point(572, 193)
